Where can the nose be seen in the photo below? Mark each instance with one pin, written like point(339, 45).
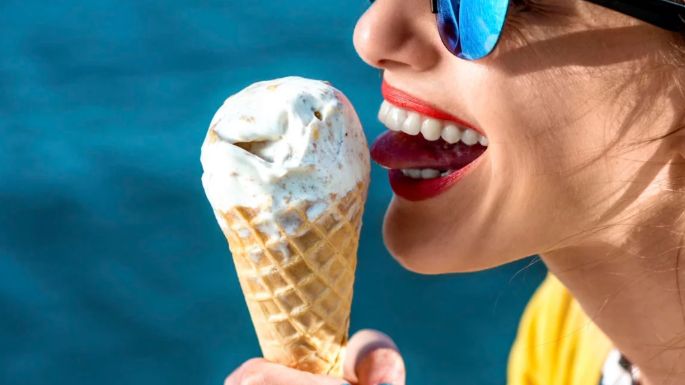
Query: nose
point(398, 34)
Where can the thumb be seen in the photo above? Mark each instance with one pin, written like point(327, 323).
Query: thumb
point(373, 359)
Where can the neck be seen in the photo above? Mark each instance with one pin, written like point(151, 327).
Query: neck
point(630, 279)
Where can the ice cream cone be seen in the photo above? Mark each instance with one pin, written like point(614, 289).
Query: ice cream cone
point(297, 273)
point(286, 169)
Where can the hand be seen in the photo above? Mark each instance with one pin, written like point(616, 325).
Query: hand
point(372, 358)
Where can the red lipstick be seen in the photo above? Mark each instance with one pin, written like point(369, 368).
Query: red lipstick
point(397, 151)
point(421, 189)
point(404, 100)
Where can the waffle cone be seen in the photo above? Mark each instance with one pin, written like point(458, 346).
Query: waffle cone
point(296, 268)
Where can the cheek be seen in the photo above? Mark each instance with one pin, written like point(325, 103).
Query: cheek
point(549, 160)
point(522, 200)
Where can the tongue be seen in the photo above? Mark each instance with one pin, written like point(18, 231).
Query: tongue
point(397, 150)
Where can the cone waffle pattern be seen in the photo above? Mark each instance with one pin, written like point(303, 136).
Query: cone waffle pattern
point(296, 268)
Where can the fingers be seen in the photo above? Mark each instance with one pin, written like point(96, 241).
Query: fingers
point(373, 359)
point(258, 371)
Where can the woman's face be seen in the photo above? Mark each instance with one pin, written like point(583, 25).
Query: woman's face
point(569, 90)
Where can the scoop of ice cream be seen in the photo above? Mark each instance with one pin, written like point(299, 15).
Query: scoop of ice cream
point(280, 141)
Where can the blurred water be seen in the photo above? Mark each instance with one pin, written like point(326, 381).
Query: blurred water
point(112, 269)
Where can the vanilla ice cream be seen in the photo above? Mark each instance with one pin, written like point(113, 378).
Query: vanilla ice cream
point(283, 140)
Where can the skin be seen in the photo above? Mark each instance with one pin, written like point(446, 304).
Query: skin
point(578, 103)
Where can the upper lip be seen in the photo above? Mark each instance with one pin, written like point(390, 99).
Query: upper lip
point(404, 100)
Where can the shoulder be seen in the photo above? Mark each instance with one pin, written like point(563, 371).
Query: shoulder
point(557, 343)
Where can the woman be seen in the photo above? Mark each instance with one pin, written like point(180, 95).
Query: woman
point(561, 137)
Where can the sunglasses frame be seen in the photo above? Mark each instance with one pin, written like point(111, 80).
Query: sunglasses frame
point(664, 14)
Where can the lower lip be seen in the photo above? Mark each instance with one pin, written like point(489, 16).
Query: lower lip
point(421, 189)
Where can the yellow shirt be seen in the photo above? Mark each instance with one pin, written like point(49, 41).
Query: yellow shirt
point(557, 343)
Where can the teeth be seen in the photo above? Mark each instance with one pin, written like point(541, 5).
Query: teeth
point(383, 112)
point(470, 137)
point(412, 173)
point(429, 173)
point(425, 173)
point(451, 134)
point(413, 123)
point(431, 129)
point(396, 118)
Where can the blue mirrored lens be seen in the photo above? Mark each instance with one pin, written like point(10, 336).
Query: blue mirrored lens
point(481, 23)
point(448, 26)
point(470, 29)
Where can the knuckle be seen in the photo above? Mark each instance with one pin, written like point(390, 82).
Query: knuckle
point(253, 364)
point(249, 373)
point(385, 364)
point(383, 356)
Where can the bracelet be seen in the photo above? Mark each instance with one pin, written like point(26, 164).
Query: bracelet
point(618, 370)
point(630, 368)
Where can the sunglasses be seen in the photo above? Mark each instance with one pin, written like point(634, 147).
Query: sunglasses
point(470, 29)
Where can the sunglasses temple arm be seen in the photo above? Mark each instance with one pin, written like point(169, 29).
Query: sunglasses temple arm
point(662, 13)
point(434, 6)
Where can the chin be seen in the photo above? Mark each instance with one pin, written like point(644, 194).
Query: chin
point(416, 252)
point(420, 249)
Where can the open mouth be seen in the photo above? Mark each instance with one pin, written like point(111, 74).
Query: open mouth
point(425, 150)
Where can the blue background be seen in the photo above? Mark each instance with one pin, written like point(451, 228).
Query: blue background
point(112, 268)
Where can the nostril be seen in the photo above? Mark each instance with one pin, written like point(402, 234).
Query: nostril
point(387, 64)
